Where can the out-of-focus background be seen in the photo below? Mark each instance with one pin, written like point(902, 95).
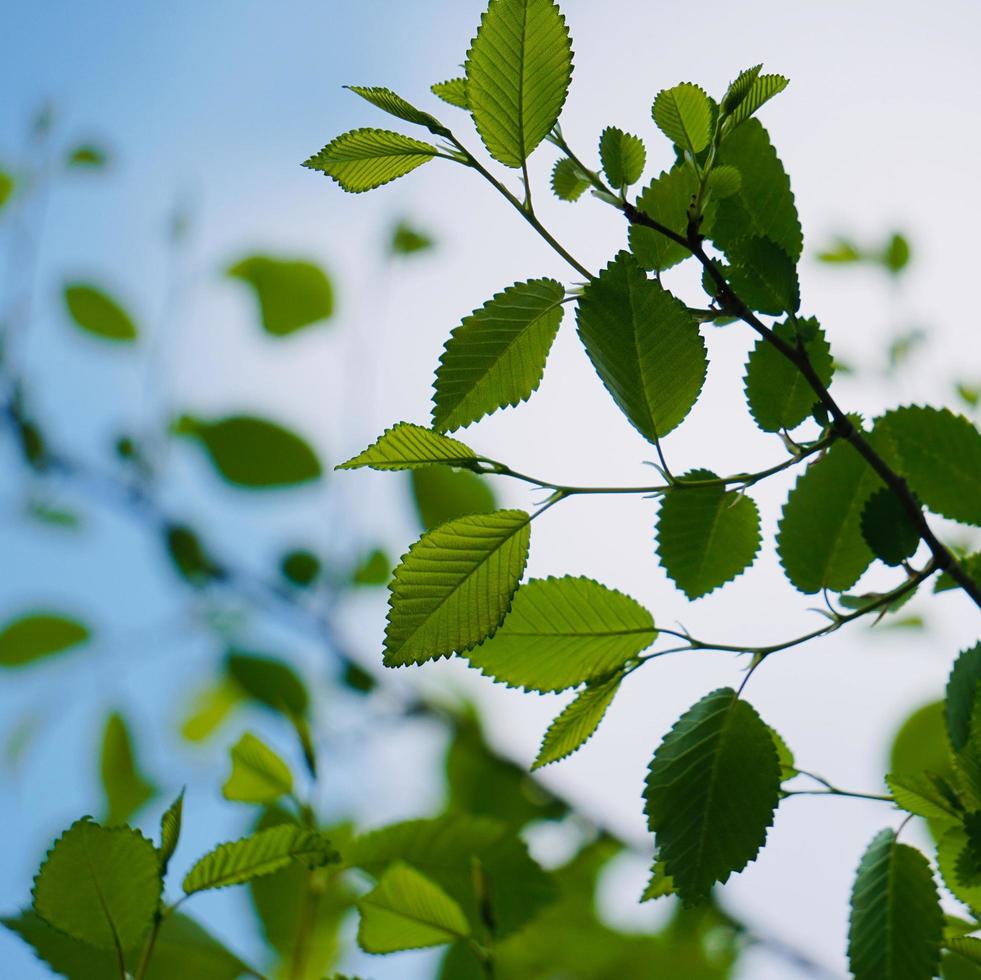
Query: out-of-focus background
point(205, 112)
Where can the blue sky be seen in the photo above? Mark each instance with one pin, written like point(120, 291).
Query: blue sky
point(213, 106)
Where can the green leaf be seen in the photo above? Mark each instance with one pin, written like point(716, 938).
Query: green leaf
point(924, 795)
point(666, 200)
point(518, 71)
point(659, 884)
point(763, 276)
point(97, 313)
point(252, 452)
point(568, 181)
point(34, 636)
point(887, 528)
point(406, 445)
point(739, 88)
point(970, 563)
point(7, 185)
point(820, 541)
point(126, 789)
point(407, 240)
point(760, 90)
point(99, 885)
point(778, 395)
point(712, 790)
point(706, 535)
point(87, 156)
point(788, 767)
point(684, 115)
point(268, 681)
point(263, 853)
point(441, 495)
point(959, 700)
point(209, 708)
point(966, 946)
point(373, 568)
point(577, 722)
point(408, 911)
point(291, 294)
point(562, 632)
point(300, 567)
point(623, 157)
point(939, 454)
point(896, 255)
point(454, 586)
point(951, 848)
point(764, 207)
point(258, 774)
point(170, 831)
point(452, 91)
point(188, 555)
point(724, 182)
point(644, 345)
point(66, 956)
point(363, 159)
point(496, 357)
point(388, 101)
point(896, 922)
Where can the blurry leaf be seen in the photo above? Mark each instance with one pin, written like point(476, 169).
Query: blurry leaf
point(453, 91)
point(706, 536)
point(577, 722)
point(568, 181)
point(268, 681)
point(454, 586)
point(887, 528)
point(7, 185)
point(186, 552)
point(623, 157)
point(34, 636)
point(97, 313)
point(684, 115)
point(443, 495)
point(968, 393)
point(53, 516)
point(407, 446)
point(562, 632)
point(19, 737)
point(252, 452)
point(264, 852)
point(374, 568)
point(209, 708)
point(99, 885)
point(87, 156)
point(407, 240)
point(258, 774)
point(388, 101)
point(518, 71)
point(363, 159)
point(408, 911)
point(841, 251)
point(125, 788)
point(896, 254)
point(300, 567)
point(903, 346)
point(170, 831)
point(291, 294)
point(970, 563)
point(496, 357)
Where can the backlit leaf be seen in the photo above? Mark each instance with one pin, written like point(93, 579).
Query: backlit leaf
point(568, 181)
point(962, 690)
point(970, 563)
point(761, 90)
point(518, 71)
point(666, 200)
point(562, 632)
point(291, 294)
point(125, 788)
point(452, 91)
point(405, 446)
point(711, 793)
point(388, 101)
point(97, 313)
point(170, 831)
point(408, 240)
point(258, 774)
point(645, 346)
point(623, 157)
point(363, 159)
point(454, 586)
point(739, 88)
point(684, 115)
point(7, 185)
point(577, 722)
point(496, 357)
point(763, 276)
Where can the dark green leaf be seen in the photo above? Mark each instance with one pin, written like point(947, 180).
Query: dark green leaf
point(712, 790)
point(452, 91)
point(7, 185)
point(125, 788)
point(970, 563)
point(666, 200)
point(779, 396)
point(724, 182)
point(406, 446)
point(896, 922)
point(387, 100)
point(34, 636)
point(268, 681)
point(645, 346)
point(518, 71)
point(623, 157)
point(577, 722)
point(300, 567)
point(841, 252)
point(98, 313)
point(739, 88)
point(87, 156)
point(253, 452)
point(962, 689)
point(706, 536)
point(99, 885)
point(258, 774)
point(887, 528)
point(684, 115)
point(568, 181)
point(291, 294)
point(562, 632)
point(496, 357)
point(363, 159)
point(442, 495)
point(454, 586)
point(407, 240)
point(763, 276)
point(188, 556)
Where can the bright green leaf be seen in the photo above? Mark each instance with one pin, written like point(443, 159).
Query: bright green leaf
point(263, 853)
point(252, 452)
point(126, 789)
point(97, 313)
point(922, 794)
point(684, 115)
point(496, 357)
point(99, 885)
point(645, 346)
point(623, 157)
point(724, 182)
point(712, 790)
point(170, 831)
point(87, 156)
point(896, 922)
point(761, 90)
point(406, 445)
point(568, 181)
point(454, 586)
point(665, 200)
point(970, 563)
point(258, 774)
point(706, 536)
point(562, 632)
point(896, 255)
point(388, 101)
point(788, 767)
point(408, 911)
point(452, 91)
point(841, 252)
point(34, 636)
point(441, 494)
point(291, 294)
point(518, 71)
point(363, 159)
point(209, 708)
point(739, 88)
point(7, 185)
point(577, 722)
